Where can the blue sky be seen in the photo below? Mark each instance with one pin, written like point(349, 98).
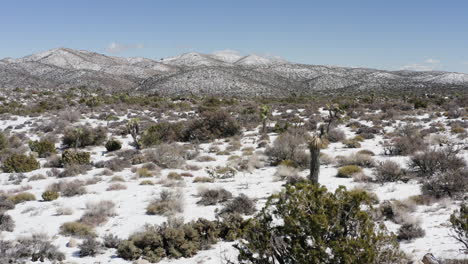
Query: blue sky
point(411, 34)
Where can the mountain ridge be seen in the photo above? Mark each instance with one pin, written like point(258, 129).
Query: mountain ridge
point(223, 73)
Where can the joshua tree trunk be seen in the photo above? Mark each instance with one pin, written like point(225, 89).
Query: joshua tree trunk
point(314, 147)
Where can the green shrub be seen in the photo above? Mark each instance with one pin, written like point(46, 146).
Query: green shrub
point(70, 157)
point(163, 132)
point(44, 148)
point(50, 195)
point(212, 125)
point(313, 225)
point(113, 145)
point(348, 171)
point(172, 240)
point(20, 163)
point(79, 137)
point(76, 229)
point(22, 197)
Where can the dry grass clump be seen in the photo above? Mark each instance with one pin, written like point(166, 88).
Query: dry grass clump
point(289, 146)
point(348, 171)
point(362, 160)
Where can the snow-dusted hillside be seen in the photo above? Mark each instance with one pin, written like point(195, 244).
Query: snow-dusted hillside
point(66, 68)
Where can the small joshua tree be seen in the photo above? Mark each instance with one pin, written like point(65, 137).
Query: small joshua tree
point(334, 113)
point(314, 147)
point(264, 112)
point(133, 128)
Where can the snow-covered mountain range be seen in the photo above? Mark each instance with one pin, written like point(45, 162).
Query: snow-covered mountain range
point(223, 73)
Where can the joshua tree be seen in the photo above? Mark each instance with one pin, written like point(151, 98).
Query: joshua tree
point(334, 113)
point(314, 147)
point(133, 128)
point(264, 112)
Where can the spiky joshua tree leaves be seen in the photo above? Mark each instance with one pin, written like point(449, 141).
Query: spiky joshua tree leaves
point(307, 224)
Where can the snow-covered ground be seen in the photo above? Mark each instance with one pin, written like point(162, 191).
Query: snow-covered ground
point(41, 217)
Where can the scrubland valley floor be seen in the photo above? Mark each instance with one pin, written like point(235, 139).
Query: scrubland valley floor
point(400, 152)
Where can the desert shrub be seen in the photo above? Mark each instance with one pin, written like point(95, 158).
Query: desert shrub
point(431, 161)
point(71, 170)
point(329, 222)
point(205, 158)
point(410, 231)
point(289, 146)
point(351, 143)
point(117, 179)
point(163, 132)
point(43, 148)
point(75, 157)
point(388, 171)
point(116, 187)
point(408, 143)
point(36, 247)
point(168, 203)
point(97, 213)
point(174, 176)
point(285, 172)
point(366, 152)
point(111, 241)
point(214, 196)
point(89, 247)
point(348, 171)
point(50, 196)
point(37, 177)
point(220, 172)
point(3, 141)
point(239, 205)
point(167, 155)
point(459, 225)
point(77, 229)
point(143, 173)
point(20, 163)
point(458, 130)
point(115, 164)
point(22, 197)
point(203, 179)
point(212, 125)
point(146, 182)
point(362, 160)
point(336, 135)
point(68, 188)
point(451, 183)
point(79, 137)
point(172, 240)
point(53, 161)
point(64, 211)
point(6, 222)
point(5, 203)
point(113, 145)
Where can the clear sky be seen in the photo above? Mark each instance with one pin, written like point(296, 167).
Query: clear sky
point(385, 34)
